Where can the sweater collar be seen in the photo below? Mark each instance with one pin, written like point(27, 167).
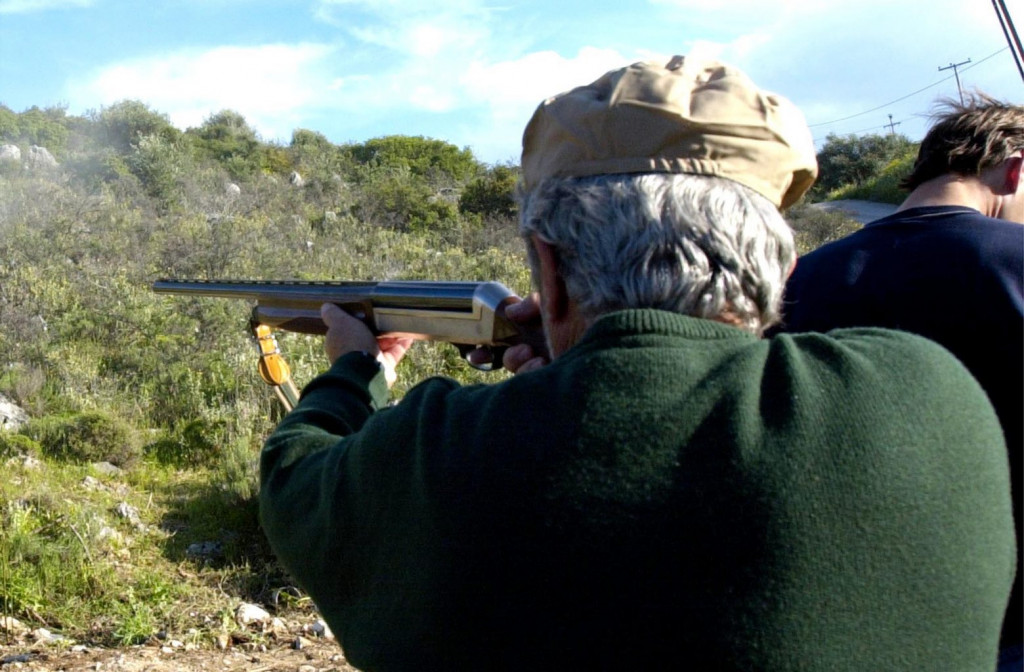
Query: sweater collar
point(643, 321)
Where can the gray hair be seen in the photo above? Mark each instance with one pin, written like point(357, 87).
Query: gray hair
point(702, 246)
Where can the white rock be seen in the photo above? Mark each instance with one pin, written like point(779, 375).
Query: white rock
point(129, 513)
point(247, 614)
point(12, 416)
point(10, 153)
point(40, 157)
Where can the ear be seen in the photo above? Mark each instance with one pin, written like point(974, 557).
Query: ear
point(553, 294)
point(1014, 168)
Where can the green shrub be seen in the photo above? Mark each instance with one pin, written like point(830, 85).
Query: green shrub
point(853, 160)
point(813, 227)
point(423, 157)
point(492, 194)
point(13, 444)
point(881, 188)
point(194, 443)
point(87, 437)
point(121, 125)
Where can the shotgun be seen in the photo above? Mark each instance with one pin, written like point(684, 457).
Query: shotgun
point(470, 315)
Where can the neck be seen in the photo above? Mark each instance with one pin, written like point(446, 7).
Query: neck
point(563, 334)
point(956, 190)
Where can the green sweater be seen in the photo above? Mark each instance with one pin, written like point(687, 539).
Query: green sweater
point(671, 493)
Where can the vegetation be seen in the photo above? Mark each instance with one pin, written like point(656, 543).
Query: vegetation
point(152, 405)
point(127, 507)
point(882, 187)
point(848, 163)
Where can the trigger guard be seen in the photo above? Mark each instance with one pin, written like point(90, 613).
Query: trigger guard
point(493, 365)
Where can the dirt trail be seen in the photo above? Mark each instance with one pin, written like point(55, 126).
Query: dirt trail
point(862, 211)
point(313, 656)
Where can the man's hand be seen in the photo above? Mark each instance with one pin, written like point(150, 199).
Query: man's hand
point(346, 333)
point(522, 358)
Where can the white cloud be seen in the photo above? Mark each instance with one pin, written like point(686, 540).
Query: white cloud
point(432, 99)
point(269, 85)
point(509, 92)
point(534, 77)
point(28, 6)
point(410, 28)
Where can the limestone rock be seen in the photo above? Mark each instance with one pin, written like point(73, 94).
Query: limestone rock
point(40, 157)
point(10, 153)
point(12, 416)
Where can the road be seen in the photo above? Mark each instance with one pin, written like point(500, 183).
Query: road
point(862, 211)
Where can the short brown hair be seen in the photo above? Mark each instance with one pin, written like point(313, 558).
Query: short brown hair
point(967, 138)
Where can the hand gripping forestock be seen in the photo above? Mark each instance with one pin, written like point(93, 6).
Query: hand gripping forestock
point(470, 315)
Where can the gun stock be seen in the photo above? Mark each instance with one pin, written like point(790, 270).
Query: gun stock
point(467, 314)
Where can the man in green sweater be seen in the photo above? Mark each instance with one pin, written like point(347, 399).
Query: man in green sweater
point(672, 491)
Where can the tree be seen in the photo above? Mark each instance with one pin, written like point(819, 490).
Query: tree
point(227, 138)
point(491, 194)
point(423, 157)
point(44, 127)
point(123, 124)
point(8, 124)
point(852, 160)
point(396, 199)
point(316, 157)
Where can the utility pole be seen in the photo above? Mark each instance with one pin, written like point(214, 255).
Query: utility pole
point(892, 125)
point(957, 75)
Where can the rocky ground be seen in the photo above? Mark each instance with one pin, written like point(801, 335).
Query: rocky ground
point(265, 645)
point(313, 657)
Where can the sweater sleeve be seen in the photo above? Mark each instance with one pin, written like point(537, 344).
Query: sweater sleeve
point(342, 496)
point(299, 488)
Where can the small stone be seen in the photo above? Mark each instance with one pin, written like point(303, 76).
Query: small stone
point(12, 625)
point(321, 629)
point(247, 614)
point(91, 483)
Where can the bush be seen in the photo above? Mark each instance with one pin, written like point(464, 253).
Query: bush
point(13, 444)
point(882, 188)
point(813, 227)
point(123, 124)
point(195, 443)
point(492, 194)
point(83, 438)
point(423, 157)
point(853, 160)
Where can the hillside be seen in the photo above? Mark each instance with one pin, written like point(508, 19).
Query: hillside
point(128, 532)
point(128, 514)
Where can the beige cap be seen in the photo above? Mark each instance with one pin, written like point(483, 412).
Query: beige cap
point(688, 116)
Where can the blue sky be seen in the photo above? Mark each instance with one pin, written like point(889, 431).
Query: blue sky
point(471, 71)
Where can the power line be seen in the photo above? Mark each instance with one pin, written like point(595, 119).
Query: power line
point(1010, 32)
point(875, 109)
